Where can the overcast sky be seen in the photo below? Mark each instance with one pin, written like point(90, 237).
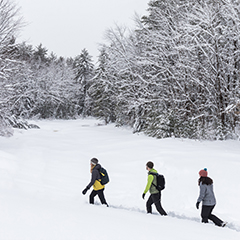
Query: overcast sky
point(65, 27)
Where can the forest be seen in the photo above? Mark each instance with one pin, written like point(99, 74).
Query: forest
point(176, 74)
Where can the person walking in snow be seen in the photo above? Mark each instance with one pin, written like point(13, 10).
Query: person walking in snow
point(98, 188)
point(207, 197)
point(155, 194)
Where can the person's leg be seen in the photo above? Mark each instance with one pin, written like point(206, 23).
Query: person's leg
point(206, 211)
point(101, 196)
point(149, 204)
point(92, 195)
point(214, 218)
point(157, 201)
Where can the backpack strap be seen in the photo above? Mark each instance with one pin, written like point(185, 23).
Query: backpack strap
point(100, 179)
point(154, 174)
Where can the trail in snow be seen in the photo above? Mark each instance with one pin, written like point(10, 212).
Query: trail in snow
point(231, 226)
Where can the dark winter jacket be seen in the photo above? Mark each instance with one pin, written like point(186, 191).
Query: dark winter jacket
point(95, 180)
point(206, 195)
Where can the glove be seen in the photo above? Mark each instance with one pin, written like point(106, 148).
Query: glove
point(143, 196)
point(197, 205)
point(85, 191)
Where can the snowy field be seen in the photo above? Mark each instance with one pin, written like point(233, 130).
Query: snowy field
point(43, 172)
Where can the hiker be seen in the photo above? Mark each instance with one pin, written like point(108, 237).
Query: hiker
point(207, 198)
point(98, 188)
point(155, 197)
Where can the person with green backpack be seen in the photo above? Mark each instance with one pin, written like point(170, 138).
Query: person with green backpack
point(98, 181)
point(155, 184)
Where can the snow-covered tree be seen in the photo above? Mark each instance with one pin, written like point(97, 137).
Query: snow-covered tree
point(83, 68)
point(101, 91)
point(177, 73)
point(10, 23)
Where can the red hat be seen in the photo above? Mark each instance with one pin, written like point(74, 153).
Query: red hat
point(203, 173)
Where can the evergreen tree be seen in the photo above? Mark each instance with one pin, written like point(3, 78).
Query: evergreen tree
point(101, 91)
point(84, 68)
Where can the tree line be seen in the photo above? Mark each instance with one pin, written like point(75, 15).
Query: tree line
point(176, 74)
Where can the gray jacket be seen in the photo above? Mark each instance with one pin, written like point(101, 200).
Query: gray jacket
point(206, 195)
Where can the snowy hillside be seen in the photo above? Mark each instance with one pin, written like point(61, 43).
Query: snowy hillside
point(43, 172)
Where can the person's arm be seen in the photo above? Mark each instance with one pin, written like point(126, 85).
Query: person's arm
point(149, 183)
point(202, 192)
point(93, 179)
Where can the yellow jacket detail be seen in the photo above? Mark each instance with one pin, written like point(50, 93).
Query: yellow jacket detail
point(97, 185)
point(96, 179)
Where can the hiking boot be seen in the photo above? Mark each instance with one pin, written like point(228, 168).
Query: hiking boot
point(224, 224)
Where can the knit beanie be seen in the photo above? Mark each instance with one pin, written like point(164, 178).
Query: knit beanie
point(94, 161)
point(203, 173)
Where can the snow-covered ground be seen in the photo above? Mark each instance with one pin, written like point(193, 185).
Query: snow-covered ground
point(43, 172)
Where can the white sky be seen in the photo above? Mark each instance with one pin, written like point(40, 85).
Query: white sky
point(65, 27)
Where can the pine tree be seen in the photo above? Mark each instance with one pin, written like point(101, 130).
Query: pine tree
point(101, 91)
point(83, 67)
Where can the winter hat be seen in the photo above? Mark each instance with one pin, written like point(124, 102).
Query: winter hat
point(203, 173)
point(150, 165)
point(94, 161)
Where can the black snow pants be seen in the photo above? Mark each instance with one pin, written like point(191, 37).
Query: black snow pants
point(207, 214)
point(100, 195)
point(155, 199)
